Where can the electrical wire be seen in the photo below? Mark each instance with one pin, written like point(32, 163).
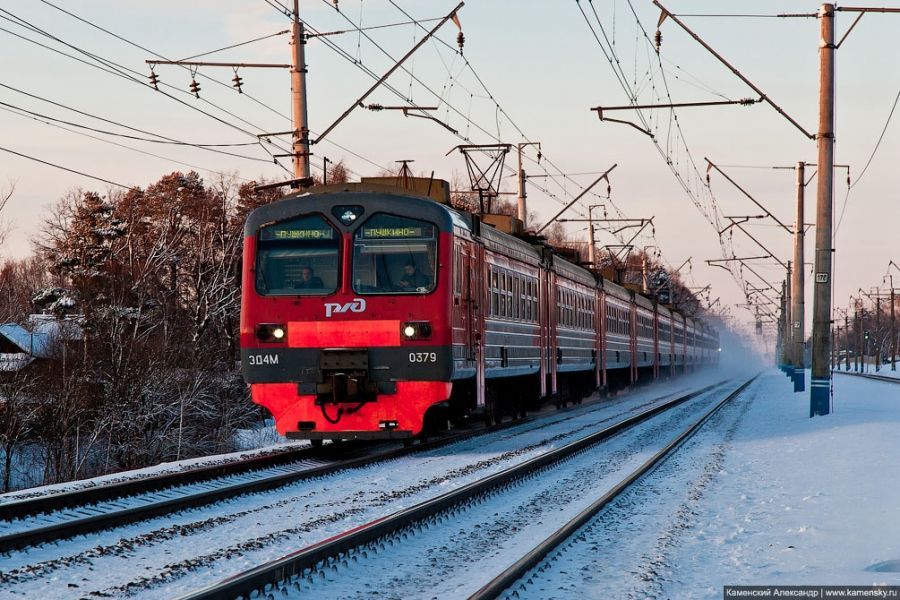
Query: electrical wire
point(105, 141)
point(498, 111)
point(120, 70)
point(58, 166)
point(162, 139)
point(259, 39)
point(878, 143)
point(712, 214)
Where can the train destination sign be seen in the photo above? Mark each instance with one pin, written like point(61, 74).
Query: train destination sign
point(296, 233)
point(392, 232)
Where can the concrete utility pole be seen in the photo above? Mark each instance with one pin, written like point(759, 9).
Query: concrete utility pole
point(890, 279)
point(644, 283)
point(820, 388)
point(592, 248)
point(521, 207)
point(893, 331)
point(300, 135)
point(798, 303)
point(788, 322)
point(877, 333)
point(847, 340)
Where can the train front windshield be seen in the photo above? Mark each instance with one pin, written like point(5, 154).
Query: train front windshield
point(394, 255)
point(298, 257)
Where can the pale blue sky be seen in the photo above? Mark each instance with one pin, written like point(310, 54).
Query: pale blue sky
point(542, 65)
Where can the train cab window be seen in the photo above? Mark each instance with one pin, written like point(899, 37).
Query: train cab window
point(394, 255)
point(297, 258)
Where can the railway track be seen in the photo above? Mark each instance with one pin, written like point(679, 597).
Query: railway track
point(314, 563)
point(513, 580)
point(870, 376)
point(44, 519)
point(53, 517)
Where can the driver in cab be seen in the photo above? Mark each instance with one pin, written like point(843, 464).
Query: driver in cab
point(412, 279)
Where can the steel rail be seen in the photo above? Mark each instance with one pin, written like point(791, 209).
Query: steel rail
point(79, 502)
point(263, 577)
point(884, 378)
point(516, 571)
point(15, 509)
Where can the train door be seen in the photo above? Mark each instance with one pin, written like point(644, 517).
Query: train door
point(604, 335)
point(543, 326)
point(598, 340)
point(554, 354)
point(656, 355)
point(632, 339)
point(467, 301)
point(476, 305)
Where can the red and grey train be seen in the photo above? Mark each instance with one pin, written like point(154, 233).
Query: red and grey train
point(370, 312)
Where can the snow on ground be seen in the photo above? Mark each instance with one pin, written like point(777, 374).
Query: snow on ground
point(802, 501)
point(795, 500)
point(869, 369)
point(184, 550)
point(253, 442)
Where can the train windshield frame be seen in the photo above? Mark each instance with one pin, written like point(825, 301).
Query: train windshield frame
point(298, 257)
point(395, 255)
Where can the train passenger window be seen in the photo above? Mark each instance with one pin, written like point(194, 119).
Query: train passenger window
point(457, 270)
point(528, 315)
point(298, 257)
point(517, 297)
point(494, 285)
point(394, 255)
point(508, 291)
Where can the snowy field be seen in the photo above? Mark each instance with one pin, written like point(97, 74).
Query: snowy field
point(790, 501)
point(869, 369)
point(801, 501)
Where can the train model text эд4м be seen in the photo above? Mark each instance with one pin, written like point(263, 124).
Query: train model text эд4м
point(372, 312)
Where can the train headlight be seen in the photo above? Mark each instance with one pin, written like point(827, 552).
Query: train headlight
point(271, 332)
point(416, 330)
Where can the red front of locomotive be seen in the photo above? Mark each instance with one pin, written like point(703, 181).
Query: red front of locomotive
point(345, 313)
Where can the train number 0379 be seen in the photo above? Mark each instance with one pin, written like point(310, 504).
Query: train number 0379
point(422, 357)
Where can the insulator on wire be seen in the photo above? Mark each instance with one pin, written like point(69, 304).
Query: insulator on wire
point(657, 39)
point(154, 80)
point(238, 82)
point(539, 156)
point(195, 88)
point(460, 41)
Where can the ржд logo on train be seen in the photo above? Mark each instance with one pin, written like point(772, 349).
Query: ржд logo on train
point(356, 305)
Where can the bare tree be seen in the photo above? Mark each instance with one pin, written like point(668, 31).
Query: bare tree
point(6, 193)
point(18, 411)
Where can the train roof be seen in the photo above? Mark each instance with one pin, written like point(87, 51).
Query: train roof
point(383, 198)
point(376, 198)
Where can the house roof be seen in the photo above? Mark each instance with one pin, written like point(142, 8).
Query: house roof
point(18, 336)
point(38, 342)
